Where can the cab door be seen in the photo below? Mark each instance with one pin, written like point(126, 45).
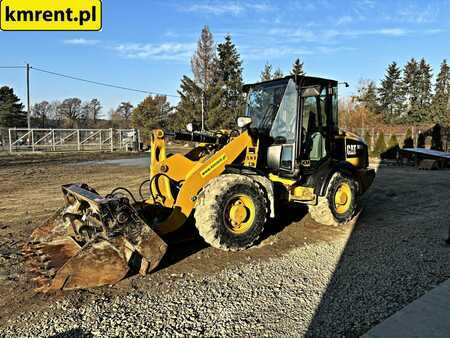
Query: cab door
point(281, 153)
point(315, 127)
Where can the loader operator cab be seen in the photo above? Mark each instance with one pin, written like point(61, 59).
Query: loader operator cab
point(296, 118)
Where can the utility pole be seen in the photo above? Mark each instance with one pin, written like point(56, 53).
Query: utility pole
point(28, 97)
point(203, 114)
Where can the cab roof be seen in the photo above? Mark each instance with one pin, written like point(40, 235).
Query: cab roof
point(303, 80)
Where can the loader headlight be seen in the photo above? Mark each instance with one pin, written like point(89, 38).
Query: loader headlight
point(190, 127)
point(243, 121)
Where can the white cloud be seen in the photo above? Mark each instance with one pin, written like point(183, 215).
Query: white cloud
point(226, 7)
point(330, 35)
point(268, 53)
point(81, 41)
point(280, 51)
point(413, 14)
point(164, 51)
point(299, 34)
point(344, 20)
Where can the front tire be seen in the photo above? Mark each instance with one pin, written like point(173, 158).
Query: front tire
point(231, 212)
point(339, 205)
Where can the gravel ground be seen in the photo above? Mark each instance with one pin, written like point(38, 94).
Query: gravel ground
point(338, 287)
point(277, 297)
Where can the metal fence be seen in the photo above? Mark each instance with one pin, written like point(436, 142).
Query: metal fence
point(62, 140)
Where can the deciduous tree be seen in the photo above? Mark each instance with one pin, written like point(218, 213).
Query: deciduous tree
point(150, 114)
point(125, 109)
point(71, 110)
point(41, 112)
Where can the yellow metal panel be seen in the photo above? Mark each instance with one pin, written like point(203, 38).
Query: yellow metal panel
point(354, 160)
point(161, 184)
point(285, 181)
point(251, 156)
point(302, 193)
point(211, 168)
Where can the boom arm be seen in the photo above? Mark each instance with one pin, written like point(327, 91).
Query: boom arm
point(191, 176)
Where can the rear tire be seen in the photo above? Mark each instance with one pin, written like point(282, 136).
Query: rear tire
point(339, 204)
point(231, 212)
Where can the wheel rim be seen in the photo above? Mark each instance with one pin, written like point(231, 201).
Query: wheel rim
point(239, 214)
point(343, 198)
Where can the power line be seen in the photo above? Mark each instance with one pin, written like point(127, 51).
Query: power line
point(12, 67)
point(102, 83)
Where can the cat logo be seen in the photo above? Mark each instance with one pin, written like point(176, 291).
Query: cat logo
point(351, 149)
point(306, 163)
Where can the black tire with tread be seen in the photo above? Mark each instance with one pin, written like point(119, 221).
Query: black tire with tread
point(211, 202)
point(324, 211)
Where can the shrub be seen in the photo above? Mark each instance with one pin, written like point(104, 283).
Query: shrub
point(368, 140)
point(421, 141)
point(393, 142)
point(408, 142)
point(380, 145)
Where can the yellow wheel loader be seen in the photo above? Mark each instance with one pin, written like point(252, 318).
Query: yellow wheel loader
point(287, 147)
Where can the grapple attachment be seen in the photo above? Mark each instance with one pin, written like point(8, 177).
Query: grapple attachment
point(91, 241)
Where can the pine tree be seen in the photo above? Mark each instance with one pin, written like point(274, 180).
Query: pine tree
point(229, 74)
point(202, 63)
point(367, 95)
point(11, 110)
point(297, 68)
point(266, 74)
point(411, 79)
point(424, 92)
point(390, 93)
point(204, 66)
point(278, 74)
point(189, 108)
point(441, 100)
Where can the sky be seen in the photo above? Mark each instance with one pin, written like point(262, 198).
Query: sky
point(148, 45)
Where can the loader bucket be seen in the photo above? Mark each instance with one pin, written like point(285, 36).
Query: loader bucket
point(91, 241)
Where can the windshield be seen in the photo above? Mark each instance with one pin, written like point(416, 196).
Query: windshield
point(273, 109)
point(262, 104)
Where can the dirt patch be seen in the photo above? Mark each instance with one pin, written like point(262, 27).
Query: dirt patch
point(31, 193)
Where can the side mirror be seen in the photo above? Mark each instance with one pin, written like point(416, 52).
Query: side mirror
point(244, 121)
point(191, 127)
